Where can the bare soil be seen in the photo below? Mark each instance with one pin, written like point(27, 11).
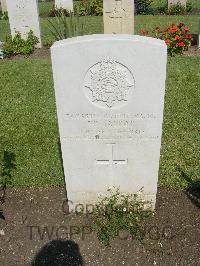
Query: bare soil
point(37, 229)
point(44, 53)
point(37, 54)
point(192, 51)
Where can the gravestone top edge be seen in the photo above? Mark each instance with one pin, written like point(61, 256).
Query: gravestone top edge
point(109, 37)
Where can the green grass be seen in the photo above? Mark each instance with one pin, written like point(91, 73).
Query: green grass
point(181, 122)
point(29, 123)
point(95, 25)
point(45, 8)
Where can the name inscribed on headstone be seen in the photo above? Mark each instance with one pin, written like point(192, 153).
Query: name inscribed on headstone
point(110, 101)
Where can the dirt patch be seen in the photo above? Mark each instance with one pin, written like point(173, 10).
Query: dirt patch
point(36, 220)
point(44, 53)
point(192, 51)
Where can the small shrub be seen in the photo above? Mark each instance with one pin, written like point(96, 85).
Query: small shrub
point(177, 38)
point(89, 8)
point(80, 10)
point(117, 213)
point(177, 9)
point(63, 27)
point(161, 10)
point(55, 12)
point(189, 7)
point(18, 45)
point(95, 7)
point(143, 6)
point(4, 15)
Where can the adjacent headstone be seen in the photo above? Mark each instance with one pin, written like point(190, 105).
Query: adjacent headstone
point(175, 2)
point(110, 101)
point(3, 5)
point(118, 16)
point(65, 4)
point(23, 17)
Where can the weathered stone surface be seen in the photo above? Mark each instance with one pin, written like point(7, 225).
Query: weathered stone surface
point(110, 101)
point(174, 2)
point(118, 16)
point(23, 17)
point(3, 5)
point(65, 4)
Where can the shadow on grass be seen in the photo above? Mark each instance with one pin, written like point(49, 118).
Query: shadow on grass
point(59, 252)
point(63, 173)
point(193, 190)
point(8, 165)
point(60, 156)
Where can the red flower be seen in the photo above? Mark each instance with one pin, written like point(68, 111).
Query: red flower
point(167, 41)
point(181, 25)
point(166, 28)
point(186, 29)
point(181, 44)
point(174, 29)
point(190, 37)
point(178, 38)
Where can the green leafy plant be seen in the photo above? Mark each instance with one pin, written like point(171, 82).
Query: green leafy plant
point(161, 10)
point(4, 15)
point(143, 6)
point(56, 12)
point(189, 7)
point(89, 8)
point(177, 38)
point(18, 45)
point(119, 212)
point(63, 27)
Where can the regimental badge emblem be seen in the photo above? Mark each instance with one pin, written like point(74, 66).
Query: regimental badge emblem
point(109, 84)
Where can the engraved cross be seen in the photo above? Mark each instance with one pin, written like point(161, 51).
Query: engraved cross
point(117, 12)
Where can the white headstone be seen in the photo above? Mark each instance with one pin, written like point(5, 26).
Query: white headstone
point(65, 4)
point(175, 2)
point(3, 5)
point(110, 101)
point(118, 16)
point(23, 17)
